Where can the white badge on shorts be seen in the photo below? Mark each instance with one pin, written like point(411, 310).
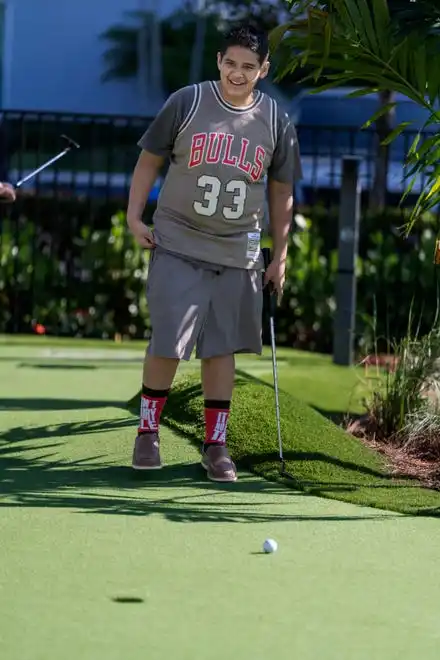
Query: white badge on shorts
point(253, 246)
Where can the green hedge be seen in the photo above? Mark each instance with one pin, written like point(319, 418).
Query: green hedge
point(82, 275)
point(88, 284)
point(394, 275)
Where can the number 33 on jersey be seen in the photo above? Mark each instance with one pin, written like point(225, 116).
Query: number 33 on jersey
point(216, 149)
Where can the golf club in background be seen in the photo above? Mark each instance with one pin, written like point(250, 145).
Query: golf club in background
point(271, 299)
point(71, 144)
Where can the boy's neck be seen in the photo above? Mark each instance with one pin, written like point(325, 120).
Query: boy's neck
point(237, 102)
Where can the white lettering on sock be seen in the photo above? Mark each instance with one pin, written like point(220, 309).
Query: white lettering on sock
point(148, 414)
point(219, 433)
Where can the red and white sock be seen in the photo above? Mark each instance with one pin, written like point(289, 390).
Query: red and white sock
point(152, 404)
point(216, 422)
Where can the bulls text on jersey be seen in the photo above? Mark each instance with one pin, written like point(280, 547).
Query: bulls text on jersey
point(218, 148)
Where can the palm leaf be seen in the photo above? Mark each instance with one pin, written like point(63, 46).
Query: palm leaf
point(357, 40)
point(396, 132)
point(367, 20)
point(382, 25)
point(383, 110)
point(363, 92)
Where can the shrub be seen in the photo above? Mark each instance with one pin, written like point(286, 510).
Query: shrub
point(305, 316)
point(402, 417)
point(77, 273)
point(91, 286)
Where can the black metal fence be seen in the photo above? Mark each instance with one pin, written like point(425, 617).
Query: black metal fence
point(67, 265)
point(101, 169)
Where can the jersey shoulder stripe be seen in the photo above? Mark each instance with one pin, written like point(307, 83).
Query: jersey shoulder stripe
point(274, 121)
point(193, 109)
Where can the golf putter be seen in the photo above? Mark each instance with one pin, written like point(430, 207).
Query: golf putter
point(272, 304)
point(71, 144)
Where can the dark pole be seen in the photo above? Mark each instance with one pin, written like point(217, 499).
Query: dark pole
point(349, 220)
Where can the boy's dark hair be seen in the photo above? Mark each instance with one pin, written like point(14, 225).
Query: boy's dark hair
point(247, 36)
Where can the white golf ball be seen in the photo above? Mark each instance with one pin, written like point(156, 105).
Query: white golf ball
point(270, 545)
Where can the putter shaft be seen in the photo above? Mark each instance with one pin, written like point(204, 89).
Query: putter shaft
point(272, 307)
point(275, 380)
point(41, 168)
point(48, 163)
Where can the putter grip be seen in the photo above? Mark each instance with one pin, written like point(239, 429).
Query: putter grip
point(266, 257)
point(271, 299)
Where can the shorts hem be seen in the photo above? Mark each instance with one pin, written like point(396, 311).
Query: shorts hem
point(168, 355)
point(238, 351)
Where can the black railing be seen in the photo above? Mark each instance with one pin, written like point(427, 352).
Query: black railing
point(101, 169)
point(66, 262)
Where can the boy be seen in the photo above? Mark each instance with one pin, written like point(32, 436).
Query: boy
point(204, 286)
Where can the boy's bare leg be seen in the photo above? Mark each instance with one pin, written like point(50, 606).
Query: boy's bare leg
point(158, 373)
point(218, 374)
point(158, 376)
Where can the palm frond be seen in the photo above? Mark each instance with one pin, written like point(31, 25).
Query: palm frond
point(357, 40)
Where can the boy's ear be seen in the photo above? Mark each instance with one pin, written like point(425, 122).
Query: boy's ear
point(265, 69)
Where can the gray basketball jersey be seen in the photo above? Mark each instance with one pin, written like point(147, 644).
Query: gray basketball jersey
point(212, 203)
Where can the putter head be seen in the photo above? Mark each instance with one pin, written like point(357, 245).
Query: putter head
point(71, 143)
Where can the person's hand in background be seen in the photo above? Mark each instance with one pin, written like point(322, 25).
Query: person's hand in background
point(7, 192)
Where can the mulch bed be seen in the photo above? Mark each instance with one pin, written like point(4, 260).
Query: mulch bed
point(401, 462)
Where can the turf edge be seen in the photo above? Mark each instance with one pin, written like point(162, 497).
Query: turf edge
point(321, 459)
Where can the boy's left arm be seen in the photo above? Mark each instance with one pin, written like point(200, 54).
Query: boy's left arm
point(284, 170)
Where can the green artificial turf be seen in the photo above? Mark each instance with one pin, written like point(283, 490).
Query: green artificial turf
point(97, 561)
point(321, 458)
point(313, 378)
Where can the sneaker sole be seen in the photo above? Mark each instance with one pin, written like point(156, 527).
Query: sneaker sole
point(218, 479)
point(146, 467)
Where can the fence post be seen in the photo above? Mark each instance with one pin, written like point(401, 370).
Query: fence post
point(348, 241)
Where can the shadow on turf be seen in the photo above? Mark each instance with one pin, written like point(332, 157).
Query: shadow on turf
point(322, 488)
point(87, 486)
point(317, 457)
point(64, 367)
point(337, 416)
point(117, 365)
point(38, 404)
point(75, 364)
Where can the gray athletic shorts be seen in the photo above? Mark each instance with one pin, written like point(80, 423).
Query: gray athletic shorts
point(216, 310)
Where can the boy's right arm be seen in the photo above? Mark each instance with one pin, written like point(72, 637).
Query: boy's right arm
point(157, 145)
point(144, 175)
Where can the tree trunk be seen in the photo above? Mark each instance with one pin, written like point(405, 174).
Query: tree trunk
point(156, 72)
point(199, 43)
point(384, 126)
point(143, 72)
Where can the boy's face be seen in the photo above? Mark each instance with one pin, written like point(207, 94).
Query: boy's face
point(240, 70)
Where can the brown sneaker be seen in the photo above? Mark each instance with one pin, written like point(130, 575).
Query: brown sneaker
point(146, 455)
point(218, 464)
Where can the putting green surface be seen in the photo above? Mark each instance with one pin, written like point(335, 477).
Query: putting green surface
point(99, 562)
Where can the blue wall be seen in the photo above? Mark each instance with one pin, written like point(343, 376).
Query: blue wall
point(52, 56)
point(333, 108)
